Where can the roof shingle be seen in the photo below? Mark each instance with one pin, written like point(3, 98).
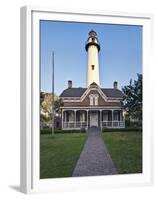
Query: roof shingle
point(77, 92)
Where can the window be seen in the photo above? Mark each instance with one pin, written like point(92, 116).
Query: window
point(93, 39)
point(92, 67)
point(96, 100)
point(116, 115)
point(93, 99)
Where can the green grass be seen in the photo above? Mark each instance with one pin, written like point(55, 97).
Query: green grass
point(58, 155)
point(125, 149)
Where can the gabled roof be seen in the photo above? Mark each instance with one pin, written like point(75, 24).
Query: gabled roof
point(113, 93)
point(77, 92)
point(73, 92)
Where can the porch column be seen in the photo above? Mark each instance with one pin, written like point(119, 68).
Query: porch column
point(101, 119)
point(112, 117)
point(123, 119)
point(120, 122)
point(65, 118)
point(75, 119)
point(62, 119)
point(87, 119)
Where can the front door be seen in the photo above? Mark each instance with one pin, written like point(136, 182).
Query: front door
point(93, 118)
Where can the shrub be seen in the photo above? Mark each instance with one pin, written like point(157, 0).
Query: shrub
point(127, 123)
point(83, 130)
point(71, 131)
point(133, 124)
point(57, 131)
point(120, 129)
point(46, 131)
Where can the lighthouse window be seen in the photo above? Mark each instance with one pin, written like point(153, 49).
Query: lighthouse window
point(92, 67)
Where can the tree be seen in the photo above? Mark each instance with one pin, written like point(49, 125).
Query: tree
point(57, 105)
point(47, 100)
point(41, 97)
point(132, 100)
point(45, 108)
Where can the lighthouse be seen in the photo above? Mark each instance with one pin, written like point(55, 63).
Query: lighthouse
point(92, 47)
point(88, 107)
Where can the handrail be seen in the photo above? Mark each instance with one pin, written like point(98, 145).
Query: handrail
point(103, 124)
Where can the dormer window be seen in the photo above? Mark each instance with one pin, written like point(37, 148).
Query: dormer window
point(92, 67)
point(96, 100)
point(93, 99)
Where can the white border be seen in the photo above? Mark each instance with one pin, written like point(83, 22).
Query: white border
point(30, 181)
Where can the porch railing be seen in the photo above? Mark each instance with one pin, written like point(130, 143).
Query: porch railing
point(77, 124)
point(84, 124)
point(112, 124)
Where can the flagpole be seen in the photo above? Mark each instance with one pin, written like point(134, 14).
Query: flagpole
point(53, 93)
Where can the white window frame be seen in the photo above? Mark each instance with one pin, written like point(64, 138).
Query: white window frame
point(91, 99)
point(96, 97)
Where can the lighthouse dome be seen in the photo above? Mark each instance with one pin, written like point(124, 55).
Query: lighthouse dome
point(92, 33)
point(92, 40)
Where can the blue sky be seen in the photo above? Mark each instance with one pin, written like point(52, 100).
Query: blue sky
point(120, 57)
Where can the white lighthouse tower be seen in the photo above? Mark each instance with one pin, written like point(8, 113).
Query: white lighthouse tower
point(92, 47)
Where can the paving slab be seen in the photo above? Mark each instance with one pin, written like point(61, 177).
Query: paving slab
point(94, 159)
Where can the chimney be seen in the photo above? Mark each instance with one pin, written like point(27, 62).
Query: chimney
point(115, 84)
point(69, 84)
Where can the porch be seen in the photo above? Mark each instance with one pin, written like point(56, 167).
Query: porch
point(103, 118)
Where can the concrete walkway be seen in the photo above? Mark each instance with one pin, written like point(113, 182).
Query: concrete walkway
point(94, 159)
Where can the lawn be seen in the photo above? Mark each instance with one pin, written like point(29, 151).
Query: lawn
point(125, 149)
point(58, 155)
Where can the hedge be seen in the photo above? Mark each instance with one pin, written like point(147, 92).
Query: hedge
point(49, 131)
point(120, 129)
